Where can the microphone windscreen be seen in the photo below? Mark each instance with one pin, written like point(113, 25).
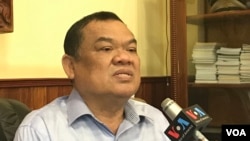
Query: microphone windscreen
point(171, 108)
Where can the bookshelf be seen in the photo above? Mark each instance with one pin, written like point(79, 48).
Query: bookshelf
point(203, 85)
point(227, 103)
point(217, 17)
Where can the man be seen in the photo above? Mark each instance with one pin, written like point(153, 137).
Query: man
point(101, 60)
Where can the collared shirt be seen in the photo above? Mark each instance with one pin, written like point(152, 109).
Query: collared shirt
point(68, 118)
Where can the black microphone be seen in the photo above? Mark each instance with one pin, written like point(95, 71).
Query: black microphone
point(186, 123)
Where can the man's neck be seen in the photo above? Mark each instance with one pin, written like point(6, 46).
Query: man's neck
point(107, 110)
point(111, 119)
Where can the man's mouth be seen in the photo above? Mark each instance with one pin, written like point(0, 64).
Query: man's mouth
point(123, 74)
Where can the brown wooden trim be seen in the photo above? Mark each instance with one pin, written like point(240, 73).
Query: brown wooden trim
point(37, 92)
point(34, 82)
point(155, 79)
point(178, 52)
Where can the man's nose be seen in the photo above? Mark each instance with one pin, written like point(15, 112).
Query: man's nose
point(122, 56)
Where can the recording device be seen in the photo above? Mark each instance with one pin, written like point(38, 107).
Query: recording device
point(186, 123)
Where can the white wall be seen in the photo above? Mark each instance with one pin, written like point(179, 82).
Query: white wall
point(151, 32)
point(35, 48)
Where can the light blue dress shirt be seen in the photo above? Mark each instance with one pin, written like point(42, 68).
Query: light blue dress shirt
point(69, 119)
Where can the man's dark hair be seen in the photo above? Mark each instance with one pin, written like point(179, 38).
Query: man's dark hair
point(74, 36)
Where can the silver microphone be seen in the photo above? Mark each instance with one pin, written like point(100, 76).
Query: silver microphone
point(172, 109)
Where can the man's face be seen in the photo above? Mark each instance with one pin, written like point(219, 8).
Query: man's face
point(109, 64)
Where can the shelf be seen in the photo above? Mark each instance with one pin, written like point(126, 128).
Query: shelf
point(218, 85)
point(219, 16)
point(226, 103)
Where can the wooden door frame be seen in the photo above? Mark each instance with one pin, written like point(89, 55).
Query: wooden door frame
point(178, 52)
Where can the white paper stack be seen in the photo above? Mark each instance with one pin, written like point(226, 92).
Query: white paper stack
point(204, 58)
point(228, 65)
point(245, 64)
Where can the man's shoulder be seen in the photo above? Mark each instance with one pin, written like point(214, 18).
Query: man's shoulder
point(51, 111)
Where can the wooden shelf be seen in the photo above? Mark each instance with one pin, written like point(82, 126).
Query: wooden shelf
point(218, 85)
point(219, 16)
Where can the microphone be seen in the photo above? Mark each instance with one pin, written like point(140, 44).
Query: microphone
point(186, 123)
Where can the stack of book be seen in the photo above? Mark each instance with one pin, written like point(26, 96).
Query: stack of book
point(204, 58)
point(245, 64)
point(228, 65)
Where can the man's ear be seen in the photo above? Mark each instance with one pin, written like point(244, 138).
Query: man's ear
point(68, 66)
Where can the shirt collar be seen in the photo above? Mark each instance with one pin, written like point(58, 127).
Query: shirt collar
point(76, 107)
point(139, 108)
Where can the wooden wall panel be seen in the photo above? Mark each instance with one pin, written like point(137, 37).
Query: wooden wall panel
point(154, 90)
point(35, 97)
point(37, 92)
point(54, 92)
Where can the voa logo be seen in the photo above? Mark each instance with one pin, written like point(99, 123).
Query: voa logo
point(195, 113)
point(179, 128)
point(236, 132)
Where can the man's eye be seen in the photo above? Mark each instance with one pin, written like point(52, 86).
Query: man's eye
point(132, 49)
point(106, 48)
